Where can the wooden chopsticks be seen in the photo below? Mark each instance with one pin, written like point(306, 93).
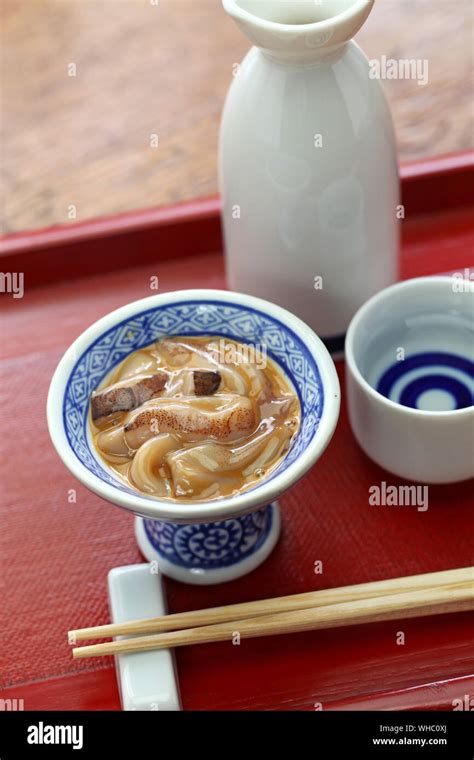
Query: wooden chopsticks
point(413, 596)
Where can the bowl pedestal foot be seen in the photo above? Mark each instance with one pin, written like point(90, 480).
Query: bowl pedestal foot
point(207, 553)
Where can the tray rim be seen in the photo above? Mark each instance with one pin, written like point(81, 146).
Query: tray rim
point(428, 184)
point(48, 694)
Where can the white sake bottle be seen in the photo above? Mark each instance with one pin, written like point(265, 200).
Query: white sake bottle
point(308, 167)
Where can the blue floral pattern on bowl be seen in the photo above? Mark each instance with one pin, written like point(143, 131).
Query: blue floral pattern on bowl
point(203, 317)
point(210, 545)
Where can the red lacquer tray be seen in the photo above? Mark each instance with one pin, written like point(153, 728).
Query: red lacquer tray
point(56, 553)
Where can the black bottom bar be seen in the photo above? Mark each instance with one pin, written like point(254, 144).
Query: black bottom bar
point(316, 734)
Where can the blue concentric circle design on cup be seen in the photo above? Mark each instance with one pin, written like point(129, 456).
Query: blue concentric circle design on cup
point(432, 381)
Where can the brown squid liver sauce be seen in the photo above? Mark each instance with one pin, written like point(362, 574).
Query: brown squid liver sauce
point(195, 437)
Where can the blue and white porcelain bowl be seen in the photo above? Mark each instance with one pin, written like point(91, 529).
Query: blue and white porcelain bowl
point(410, 378)
point(201, 542)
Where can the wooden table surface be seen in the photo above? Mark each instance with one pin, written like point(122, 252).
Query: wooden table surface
point(142, 69)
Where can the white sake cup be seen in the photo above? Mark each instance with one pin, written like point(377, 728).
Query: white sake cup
point(410, 379)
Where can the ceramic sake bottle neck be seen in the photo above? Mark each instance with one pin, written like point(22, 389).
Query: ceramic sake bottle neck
point(299, 32)
point(308, 60)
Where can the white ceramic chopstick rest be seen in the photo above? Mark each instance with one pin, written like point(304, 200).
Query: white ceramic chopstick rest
point(146, 680)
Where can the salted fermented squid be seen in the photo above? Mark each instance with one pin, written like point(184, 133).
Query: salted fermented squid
point(194, 419)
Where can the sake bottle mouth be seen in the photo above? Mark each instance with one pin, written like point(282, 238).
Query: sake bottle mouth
point(299, 30)
point(294, 14)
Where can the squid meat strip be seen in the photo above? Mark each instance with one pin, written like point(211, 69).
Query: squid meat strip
point(197, 468)
point(112, 444)
point(277, 407)
point(133, 392)
point(190, 478)
point(216, 458)
point(260, 386)
point(188, 382)
point(176, 352)
point(146, 469)
point(223, 417)
point(138, 363)
point(127, 394)
point(238, 374)
point(236, 358)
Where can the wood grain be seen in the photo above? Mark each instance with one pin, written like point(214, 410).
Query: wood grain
point(144, 69)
